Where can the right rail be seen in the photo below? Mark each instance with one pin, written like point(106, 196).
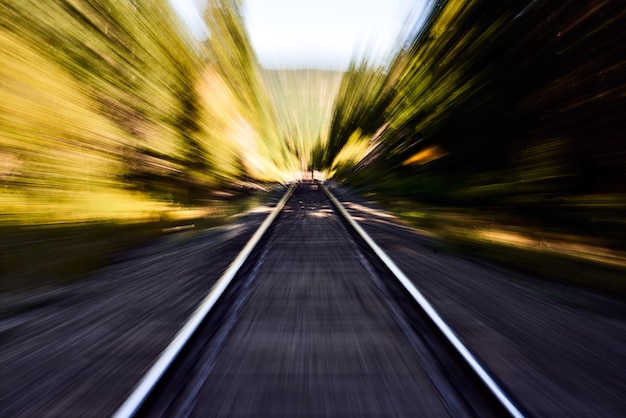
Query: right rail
point(431, 313)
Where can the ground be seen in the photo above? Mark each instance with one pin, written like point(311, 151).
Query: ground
point(81, 348)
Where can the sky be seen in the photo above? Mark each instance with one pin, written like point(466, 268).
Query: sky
point(318, 33)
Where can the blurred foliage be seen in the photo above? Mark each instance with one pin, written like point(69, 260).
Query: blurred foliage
point(303, 99)
point(96, 97)
point(110, 109)
point(231, 57)
point(514, 111)
point(518, 107)
point(361, 98)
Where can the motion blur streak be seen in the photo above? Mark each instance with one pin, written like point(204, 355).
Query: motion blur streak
point(113, 116)
point(132, 147)
point(110, 110)
point(514, 111)
point(501, 119)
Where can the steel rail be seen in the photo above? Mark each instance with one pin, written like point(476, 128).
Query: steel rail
point(430, 311)
point(163, 363)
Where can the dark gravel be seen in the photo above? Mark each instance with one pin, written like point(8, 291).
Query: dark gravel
point(80, 349)
point(319, 334)
point(559, 349)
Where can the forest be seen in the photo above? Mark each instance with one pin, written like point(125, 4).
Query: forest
point(497, 123)
point(112, 110)
point(494, 123)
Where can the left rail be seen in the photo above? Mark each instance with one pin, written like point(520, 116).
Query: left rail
point(167, 357)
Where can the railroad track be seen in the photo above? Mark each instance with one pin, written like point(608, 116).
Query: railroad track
point(313, 318)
